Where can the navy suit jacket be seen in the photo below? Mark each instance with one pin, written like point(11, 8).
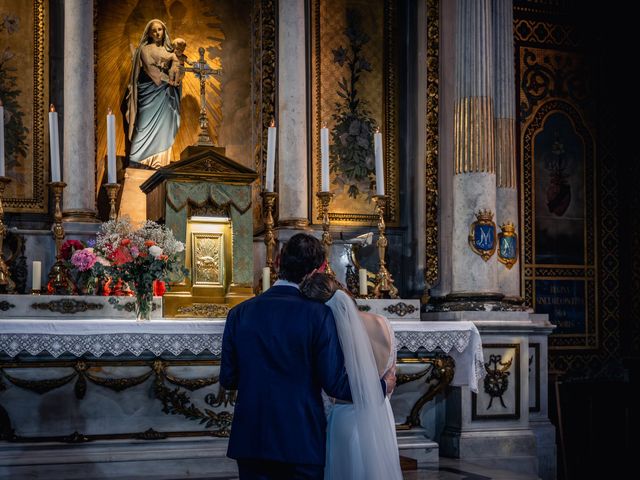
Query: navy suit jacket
point(278, 351)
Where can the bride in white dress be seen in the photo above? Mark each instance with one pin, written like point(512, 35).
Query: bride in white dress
point(361, 438)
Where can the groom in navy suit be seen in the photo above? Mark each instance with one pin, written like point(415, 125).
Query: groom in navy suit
point(278, 351)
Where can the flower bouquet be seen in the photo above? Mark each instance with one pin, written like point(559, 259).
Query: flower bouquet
point(138, 259)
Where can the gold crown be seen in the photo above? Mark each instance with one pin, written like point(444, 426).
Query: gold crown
point(484, 215)
point(508, 227)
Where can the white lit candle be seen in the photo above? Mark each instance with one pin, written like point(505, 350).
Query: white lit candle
point(36, 275)
point(377, 144)
point(2, 171)
point(271, 156)
point(266, 278)
point(363, 281)
point(111, 147)
point(54, 144)
point(324, 158)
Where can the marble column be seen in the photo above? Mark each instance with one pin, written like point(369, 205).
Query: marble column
point(504, 99)
point(474, 178)
point(292, 115)
point(79, 204)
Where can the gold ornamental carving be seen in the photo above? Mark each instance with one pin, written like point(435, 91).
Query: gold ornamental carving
point(201, 310)
point(207, 261)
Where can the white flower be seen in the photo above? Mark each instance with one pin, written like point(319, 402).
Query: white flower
point(179, 247)
point(155, 250)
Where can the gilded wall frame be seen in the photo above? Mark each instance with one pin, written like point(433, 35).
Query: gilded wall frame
point(433, 142)
point(24, 89)
point(375, 22)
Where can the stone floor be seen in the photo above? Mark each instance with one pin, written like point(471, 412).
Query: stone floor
point(448, 469)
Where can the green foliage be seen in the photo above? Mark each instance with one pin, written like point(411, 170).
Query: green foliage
point(352, 153)
point(15, 133)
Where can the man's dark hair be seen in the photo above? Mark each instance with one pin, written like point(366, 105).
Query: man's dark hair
point(301, 255)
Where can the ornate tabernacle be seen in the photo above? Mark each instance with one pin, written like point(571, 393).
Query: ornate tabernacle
point(205, 198)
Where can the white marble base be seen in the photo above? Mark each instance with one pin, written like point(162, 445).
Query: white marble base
point(122, 459)
point(415, 444)
point(70, 306)
point(393, 309)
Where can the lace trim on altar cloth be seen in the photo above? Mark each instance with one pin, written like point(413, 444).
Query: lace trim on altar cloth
point(114, 344)
point(458, 339)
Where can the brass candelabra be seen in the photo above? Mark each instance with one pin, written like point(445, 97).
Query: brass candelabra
point(269, 200)
point(384, 287)
point(325, 199)
point(5, 277)
point(112, 194)
point(60, 281)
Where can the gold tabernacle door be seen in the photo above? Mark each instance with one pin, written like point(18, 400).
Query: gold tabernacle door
point(205, 198)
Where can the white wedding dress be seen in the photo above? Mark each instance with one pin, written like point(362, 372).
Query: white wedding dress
point(361, 437)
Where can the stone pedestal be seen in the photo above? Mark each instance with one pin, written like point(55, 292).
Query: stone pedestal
point(134, 201)
point(504, 427)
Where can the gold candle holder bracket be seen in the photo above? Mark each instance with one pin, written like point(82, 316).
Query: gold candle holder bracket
point(60, 281)
point(269, 200)
point(325, 199)
point(112, 195)
point(5, 277)
point(384, 287)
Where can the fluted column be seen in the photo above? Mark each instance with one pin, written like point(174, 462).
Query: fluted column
point(78, 152)
point(505, 114)
point(474, 182)
point(292, 115)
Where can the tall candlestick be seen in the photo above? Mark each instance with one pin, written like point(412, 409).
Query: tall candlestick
point(54, 144)
point(271, 156)
point(324, 158)
point(111, 147)
point(377, 143)
point(363, 282)
point(36, 276)
point(266, 278)
point(2, 172)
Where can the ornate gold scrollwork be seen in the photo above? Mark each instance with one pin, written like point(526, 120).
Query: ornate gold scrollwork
point(67, 306)
point(215, 310)
point(441, 371)
point(400, 309)
point(191, 384)
point(39, 386)
point(4, 306)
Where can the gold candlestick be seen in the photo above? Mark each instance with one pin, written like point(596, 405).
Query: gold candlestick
point(60, 281)
point(5, 277)
point(269, 200)
point(112, 194)
point(384, 282)
point(325, 199)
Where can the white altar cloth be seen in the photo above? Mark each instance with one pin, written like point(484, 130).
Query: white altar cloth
point(100, 336)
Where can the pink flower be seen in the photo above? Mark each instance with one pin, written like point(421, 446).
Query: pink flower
point(83, 259)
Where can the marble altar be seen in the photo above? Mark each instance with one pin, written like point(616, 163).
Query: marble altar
point(111, 394)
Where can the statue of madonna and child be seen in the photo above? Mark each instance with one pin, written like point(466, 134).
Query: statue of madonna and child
point(153, 96)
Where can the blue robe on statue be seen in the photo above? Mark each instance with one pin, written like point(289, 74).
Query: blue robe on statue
point(157, 118)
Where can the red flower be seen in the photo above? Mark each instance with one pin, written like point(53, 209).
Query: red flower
point(120, 256)
point(159, 288)
point(125, 242)
point(70, 246)
point(149, 243)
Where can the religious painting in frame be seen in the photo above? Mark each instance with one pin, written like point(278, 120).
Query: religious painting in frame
point(24, 91)
point(354, 92)
point(238, 37)
point(499, 395)
point(560, 275)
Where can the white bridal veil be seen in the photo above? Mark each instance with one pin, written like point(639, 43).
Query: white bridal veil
point(377, 436)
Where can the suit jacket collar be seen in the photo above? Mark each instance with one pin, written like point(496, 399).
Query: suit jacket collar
point(284, 290)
